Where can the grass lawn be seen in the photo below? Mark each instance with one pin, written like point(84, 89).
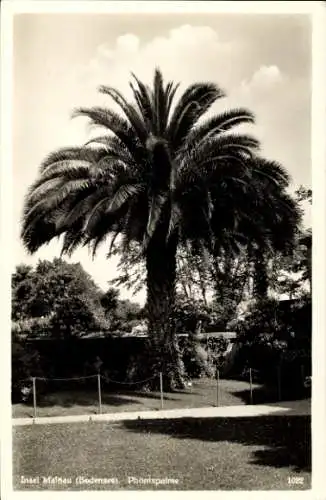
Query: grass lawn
point(204, 454)
point(80, 402)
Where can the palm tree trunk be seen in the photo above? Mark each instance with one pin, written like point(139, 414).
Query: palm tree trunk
point(260, 276)
point(161, 281)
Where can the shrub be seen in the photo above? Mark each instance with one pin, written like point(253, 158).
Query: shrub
point(216, 349)
point(26, 363)
point(196, 360)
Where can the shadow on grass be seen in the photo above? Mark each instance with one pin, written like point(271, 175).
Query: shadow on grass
point(283, 441)
point(69, 399)
point(265, 395)
point(151, 395)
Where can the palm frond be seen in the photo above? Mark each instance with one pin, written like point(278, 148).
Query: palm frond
point(80, 205)
point(85, 155)
point(43, 187)
point(159, 104)
point(220, 123)
point(113, 146)
point(101, 230)
point(111, 121)
point(123, 194)
point(229, 142)
point(193, 104)
point(156, 204)
point(135, 120)
point(143, 99)
point(175, 219)
point(225, 155)
point(34, 212)
point(272, 171)
point(170, 92)
point(95, 213)
point(72, 240)
point(113, 240)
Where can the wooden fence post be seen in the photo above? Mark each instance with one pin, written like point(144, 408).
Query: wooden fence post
point(279, 386)
point(217, 385)
point(250, 381)
point(99, 393)
point(161, 389)
point(302, 375)
point(34, 396)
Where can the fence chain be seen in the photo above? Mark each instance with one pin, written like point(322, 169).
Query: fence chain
point(61, 379)
point(90, 376)
point(27, 379)
point(129, 383)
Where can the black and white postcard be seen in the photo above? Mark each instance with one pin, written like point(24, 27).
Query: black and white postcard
point(163, 248)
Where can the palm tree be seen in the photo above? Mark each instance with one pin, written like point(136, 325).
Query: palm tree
point(159, 179)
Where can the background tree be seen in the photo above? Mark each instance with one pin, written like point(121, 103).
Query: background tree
point(229, 274)
point(57, 299)
point(304, 263)
point(127, 315)
point(161, 178)
point(291, 273)
point(303, 194)
point(22, 289)
point(109, 300)
point(188, 313)
point(277, 227)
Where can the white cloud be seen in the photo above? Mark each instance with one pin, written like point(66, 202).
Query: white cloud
point(128, 43)
point(191, 53)
point(264, 79)
point(186, 54)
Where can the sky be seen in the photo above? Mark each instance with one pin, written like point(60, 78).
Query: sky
point(263, 62)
